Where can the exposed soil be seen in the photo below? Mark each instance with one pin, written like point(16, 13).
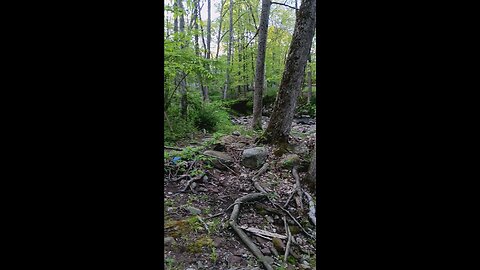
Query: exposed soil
point(196, 240)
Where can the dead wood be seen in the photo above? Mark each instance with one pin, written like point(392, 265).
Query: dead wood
point(173, 148)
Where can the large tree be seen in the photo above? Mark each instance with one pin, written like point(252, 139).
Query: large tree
point(260, 66)
point(280, 122)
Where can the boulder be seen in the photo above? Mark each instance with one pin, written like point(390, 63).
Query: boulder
point(220, 159)
point(289, 161)
point(254, 158)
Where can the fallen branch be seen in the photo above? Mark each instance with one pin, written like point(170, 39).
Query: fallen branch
point(173, 148)
point(246, 240)
point(263, 233)
point(311, 212)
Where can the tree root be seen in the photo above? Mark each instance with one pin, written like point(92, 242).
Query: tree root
point(246, 240)
point(311, 212)
point(289, 241)
point(298, 188)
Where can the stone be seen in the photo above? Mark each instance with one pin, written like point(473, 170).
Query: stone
point(234, 259)
point(269, 219)
point(289, 161)
point(236, 133)
point(168, 240)
point(266, 251)
point(254, 158)
point(220, 159)
point(300, 149)
point(193, 210)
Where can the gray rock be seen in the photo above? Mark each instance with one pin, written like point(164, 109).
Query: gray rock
point(193, 210)
point(289, 161)
point(300, 149)
point(254, 158)
point(220, 159)
point(234, 259)
point(266, 251)
point(269, 219)
point(236, 133)
point(168, 240)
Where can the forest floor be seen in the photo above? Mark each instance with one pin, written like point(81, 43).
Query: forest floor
point(197, 210)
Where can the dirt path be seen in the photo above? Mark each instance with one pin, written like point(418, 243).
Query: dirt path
point(197, 230)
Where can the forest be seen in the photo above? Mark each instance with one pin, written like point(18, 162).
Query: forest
point(240, 99)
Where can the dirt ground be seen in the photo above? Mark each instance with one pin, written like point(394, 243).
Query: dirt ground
point(196, 222)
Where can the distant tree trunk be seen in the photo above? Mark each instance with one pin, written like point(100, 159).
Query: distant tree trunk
point(281, 119)
point(260, 66)
point(220, 28)
point(196, 12)
point(229, 55)
point(311, 177)
point(209, 28)
point(183, 85)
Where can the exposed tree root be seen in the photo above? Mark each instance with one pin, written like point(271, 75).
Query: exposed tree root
point(298, 188)
point(311, 212)
point(190, 182)
point(289, 237)
point(246, 240)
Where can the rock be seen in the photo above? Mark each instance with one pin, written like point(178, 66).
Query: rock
point(234, 259)
point(289, 161)
point(168, 240)
point(217, 242)
point(278, 245)
point(266, 251)
point(219, 158)
point(269, 219)
point(254, 158)
point(300, 149)
point(193, 210)
point(236, 133)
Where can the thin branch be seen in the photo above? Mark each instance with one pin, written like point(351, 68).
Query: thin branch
point(285, 5)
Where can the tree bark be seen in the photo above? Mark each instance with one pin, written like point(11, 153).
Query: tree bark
point(183, 85)
point(280, 122)
point(229, 56)
point(260, 66)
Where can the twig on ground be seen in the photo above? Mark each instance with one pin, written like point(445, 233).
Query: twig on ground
point(173, 148)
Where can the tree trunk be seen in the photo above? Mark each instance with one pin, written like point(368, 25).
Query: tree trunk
point(280, 122)
point(260, 66)
point(183, 85)
point(220, 29)
point(229, 56)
